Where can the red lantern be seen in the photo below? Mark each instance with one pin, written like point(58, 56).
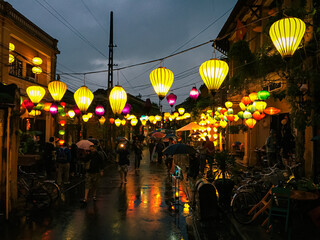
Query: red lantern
point(223, 110)
point(246, 100)
point(217, 124)
point(62, 123)
point(230, 117)
point(272, 110)
point(63, 104)
point(61, 142)
point(111, 120)
point(251, 122)
point(194, 93)
point(171, 99)
point(28, 104)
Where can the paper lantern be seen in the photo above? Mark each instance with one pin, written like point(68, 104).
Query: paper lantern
point(27, 104)
point(176, 114)
point(242, 106)
point(35, 113)
point(126, 109)
point(62, 114)
point(53, 109)
point(60, 108)
point(62, 132)
point(260, 106)
point(263, 95)
point(11, 58)
point(63, 104)
point(223, 110)
point(47, 107)
point(230, 111)
point(151, 118)
point(102, 120)
point(12, 47)
point(272, 110)
point(123, 122)
point(37, 61)
point(171, 98)
point(158, 118)
point(286, 35)
point(83, 98)
point(187, 115)
point(258, 116)
point(245, 100)
point(99, 110)
point(37, 70)
point(166, 114)
point(228, 104)
point(246, 115)
point(161, 80)
point(134, 122)
point(76, 110)
point(223, 124)
point(194, 93)
point(61, 142)
point(35, 93)
point(117, 122)
point(236, 118)
point(57, 90)
point(213, 73)
point(231, 117)
point(62, 123)
point(111, 120)
point(117, 99)
point(143, 122)
point(251, 108)
point(71, 113)
point(39, 106)
point(181, 111)
point(253, 96)
point(85, 118)
point(90, 115)
point(251, 122)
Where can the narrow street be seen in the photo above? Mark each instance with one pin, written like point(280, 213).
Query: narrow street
point(139, 209)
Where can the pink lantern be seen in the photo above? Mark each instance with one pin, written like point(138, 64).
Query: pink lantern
point(99, 111)
point(194, 93)
point(76, 110)
point(171, 99)
point(53, 109)
point(28, 104)
point(126, 109)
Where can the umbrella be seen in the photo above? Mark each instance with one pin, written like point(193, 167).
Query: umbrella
point(189, 127)
point(93, 140)
point(84, 144)
point(179, 148)
point(158, 135)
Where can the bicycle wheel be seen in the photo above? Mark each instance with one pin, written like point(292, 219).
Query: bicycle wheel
point(241, 204)
point(53, 189)
point(39, 198)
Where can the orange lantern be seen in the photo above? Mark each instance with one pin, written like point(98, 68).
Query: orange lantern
point(123, 122)
point(47, 107)
point(251, 122)
point(223, 110)
point(253, 96)
point(61, 142)
point(111, 120)
point(257, 115)
point(272, 110)
point(245, 100)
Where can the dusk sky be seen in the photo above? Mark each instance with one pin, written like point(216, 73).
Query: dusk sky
point(143, 30)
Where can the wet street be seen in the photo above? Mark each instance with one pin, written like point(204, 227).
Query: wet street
point(140, 209)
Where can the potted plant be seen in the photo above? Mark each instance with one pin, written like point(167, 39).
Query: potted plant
point(223, 180)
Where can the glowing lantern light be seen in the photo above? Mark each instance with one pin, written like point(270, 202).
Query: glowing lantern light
point(85, 118)
point(187, 115)
point(111, 120)
point(35, 93)
point(57, 89)
point(161, 80)
point(117, 122)
point(194, 93)
point(99, 111)
point(228, 104)
point(37, 70)
point(102, 120)
point(247, 115)
point(61, 142)
point(53, 109)
point(83, 98)
point(126, 109)
point(157, 118)
point(286, 35)
point(176, 114)
point(251, 122)
point(253, 96)
point(71, 113)
point(28, 104)
point(123, 122)
point(62, 132)
point(76, 110)
point(245, 100)
point(213, 73)
point(231, 117)
point(11, 58)
point(37, 61)
point(60, 108)
point(236, 118)
point(260, 106)
point(90, 115)
point(166, 114)
point(63, 104)
point(272, 110)
point(230, 111)
point(143, 122)
point(47, 107)
point(242, 106)
point(223, 124)
point(62, 123)
point(39, 106)
point(35, 112)
point(171, 98)
point(223, 110)
point(134, 122)
point(11, 47)
point(117, 99)
point(181, 111)
point(263, 95)
point(62, 114)
point(151, 118)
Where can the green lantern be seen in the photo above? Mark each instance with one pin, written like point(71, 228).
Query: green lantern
point(62, 132)
point(39, 106)
point(240, 114)
point(263, 95)
point(62, 114)
point(247, 115)
point(60, 108)
point(251, 108)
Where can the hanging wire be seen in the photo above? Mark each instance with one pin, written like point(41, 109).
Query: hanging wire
point(84, 79)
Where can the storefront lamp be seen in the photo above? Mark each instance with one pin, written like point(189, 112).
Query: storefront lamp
point(35, 93)
point(12, 47)
point(161, 80)
point(83, 98)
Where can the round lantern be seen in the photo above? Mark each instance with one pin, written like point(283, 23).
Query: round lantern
point(71, 113)
point(102, 120)
point(53, 109)
point(251, 122)
point(37, 61)
point(263, 95)
point(171, 99)
point(62, 132)
point(230, 111)
point(194, 93)
point(90, 115)
point(62, 114)
point(117, 99)
point(63, 104)
point(123, 122)
point(187, 115)
point(57, 90)
point(231, 117)
point(223, 124)
point(134, 122)
point(258, 116)
point(253, 96)
point(111, 120)
point(37, 70)
point(161, 80)
point(28, 104)
point(117, 122)
point(83, 98)
point(158, 118)
point(223, 110)
point(245, 100)
point(181, 111)
point(99, 111)
point(85, 118)
point(11, 58)
point(11, 47)
point(35, 112)
point(260, 106)
point(126, 109)
point(286, 35)
point(62, 123)
point(47, 107)
point(246, 115)
point(251, 108)
point(35, 93)
point(213, 73)
point(272, 110)
point(60, 108)
point(166, 114)
point(228, 104)
point(151, 118)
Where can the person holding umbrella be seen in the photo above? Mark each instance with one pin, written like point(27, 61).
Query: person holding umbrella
point(159, 149)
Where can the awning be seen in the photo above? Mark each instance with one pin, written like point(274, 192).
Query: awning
point(189, 127)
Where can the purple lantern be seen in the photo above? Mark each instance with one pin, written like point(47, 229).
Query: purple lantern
point(53, 109)
point(194, 93)
point(171, 99)
point(99, 111)
point(126, 109)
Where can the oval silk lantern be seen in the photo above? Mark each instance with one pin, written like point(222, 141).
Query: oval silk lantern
point(117, 122)
point(35, 93)
point(57, 90)
point(263, 95)
point(117, 99)
point(251, 122)
point(102, 120)
point(194, 93)
point(161, 80)
point(83, 98)
point(111, 120)
point(245, 100)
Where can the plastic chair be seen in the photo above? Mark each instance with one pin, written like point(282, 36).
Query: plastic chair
point(280, 206)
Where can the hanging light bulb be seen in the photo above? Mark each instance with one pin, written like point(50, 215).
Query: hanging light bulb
point(171, 98)
point(161, 80)
point(35, 93)
point(57, 89)
point(117, 99)
point(83, 98)
point(194, 93)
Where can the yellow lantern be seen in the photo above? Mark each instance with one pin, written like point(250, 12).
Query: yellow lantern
point(260, 105)
point(223, 124)
point(286, 35)
point(35, 93)
point(11, 47)
point(154, 121)
point(134, 122)
point(187, 115)
point(176, 114)
point(158, 118)
point(151, 118)
point(253, 96)
point(85, 118)
point(167, 114)
point(83, 98)
point(37, 61)
point(236, 118)
point(57, 90)
point(71, 113)
point(181, 111)
point(90, 115)
point(242, 106)
point(123, 122)
point(161, 80)
point(102, 120)
point(117, 99)
point(37, 70)
point(117, 122)
point(143, 122)
point(11, 58)
point(213, 73)
point(228, 104)
point(35, 113)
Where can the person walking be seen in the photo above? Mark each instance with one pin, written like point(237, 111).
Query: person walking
point(63, 164)
point(159, 149)
point(123, 163)
point(169, 158)
point(137, 148)
point(94, 170)
point(151, 149)
point(48, 157)
point(74, 160)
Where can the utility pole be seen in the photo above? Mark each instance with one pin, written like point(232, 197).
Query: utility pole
point(111, 46)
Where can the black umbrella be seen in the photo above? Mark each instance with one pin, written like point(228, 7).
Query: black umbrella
point(179, 148)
